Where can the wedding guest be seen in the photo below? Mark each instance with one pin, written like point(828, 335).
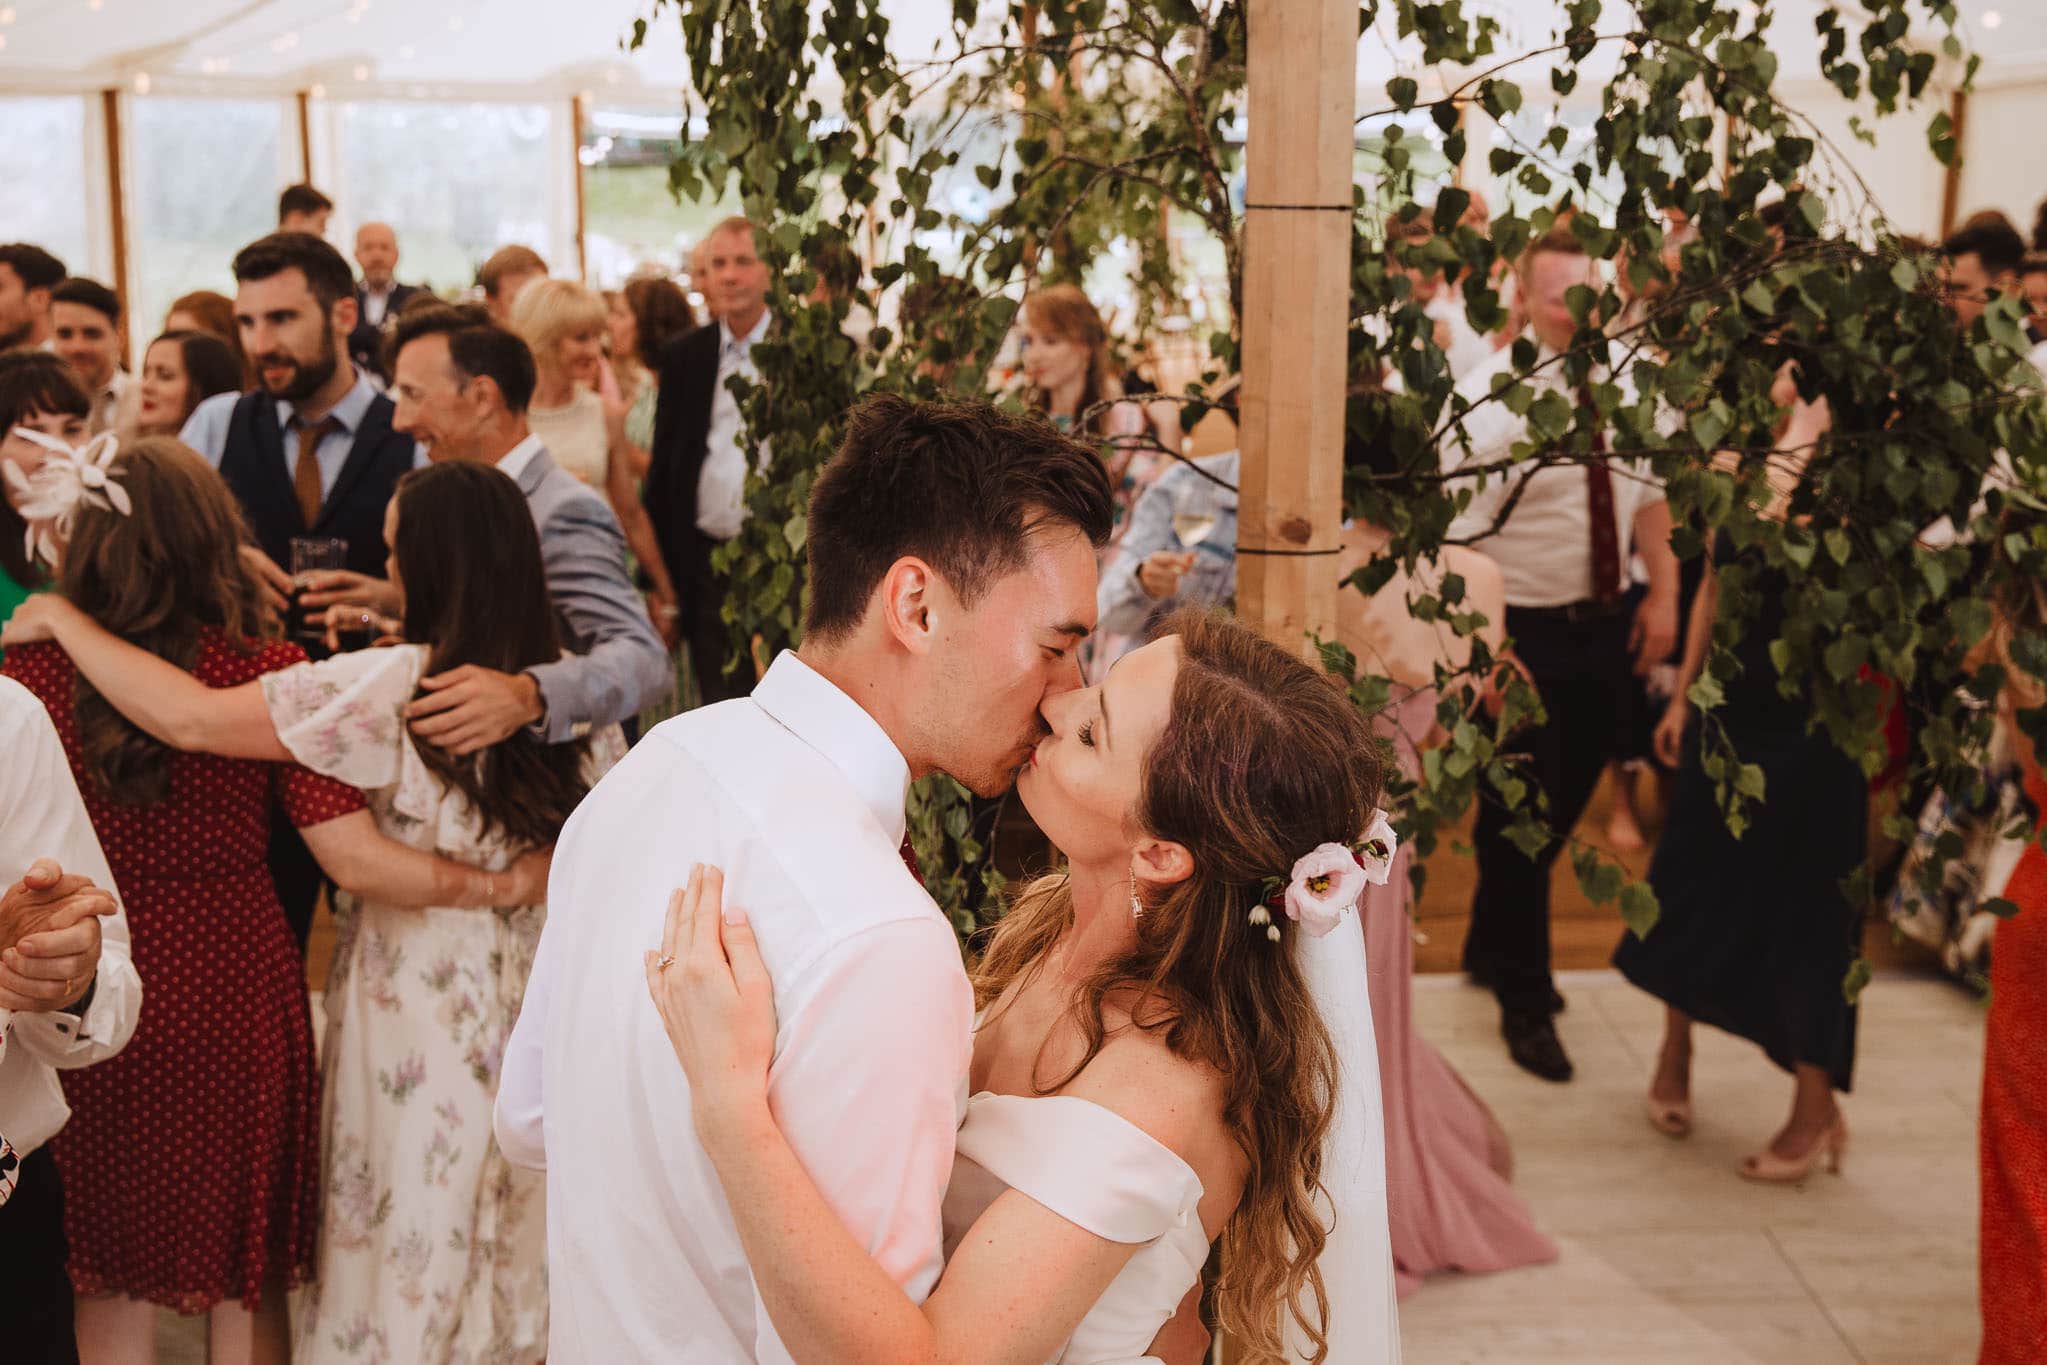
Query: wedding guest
point(205, 311)
point(696, 482)
point(1449, 1200)
point(2012, 1149)
point(654, 313)
point(379, 298)
point(562, 324)
point(1180, 550)
point(85, 332)
point(1755, 933)
point(408, 1084)
point(221, 1077)
point(181, 370)
point(462, 385)
point(700, 279)
point(1070, 373)
point(301, 208)
point(1561, 533)
point(1980, 261)
point(310, 452)
point(508, 271)
point(1464, 347)
point(27, 276)
point(40, 393)
point(60, 919)
point(2033, 286)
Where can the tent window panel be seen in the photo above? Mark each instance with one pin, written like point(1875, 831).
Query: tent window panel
point(43, 153)
point(632, 220)
point(204, 179)
point(457, 181)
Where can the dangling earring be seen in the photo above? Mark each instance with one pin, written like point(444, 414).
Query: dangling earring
point(1136, 905)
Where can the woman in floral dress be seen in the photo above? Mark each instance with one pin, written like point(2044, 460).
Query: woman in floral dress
point(190, 1162)
point(433, 1248)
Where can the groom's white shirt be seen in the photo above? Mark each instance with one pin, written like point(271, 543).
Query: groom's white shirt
point(798, 795)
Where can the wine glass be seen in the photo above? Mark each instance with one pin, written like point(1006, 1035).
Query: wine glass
point(1193, 527)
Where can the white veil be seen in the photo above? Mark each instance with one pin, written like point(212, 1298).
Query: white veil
point(1357, 1261)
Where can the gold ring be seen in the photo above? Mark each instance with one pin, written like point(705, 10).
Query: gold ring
point(664, 962)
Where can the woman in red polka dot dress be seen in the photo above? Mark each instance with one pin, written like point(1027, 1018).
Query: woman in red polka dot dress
point(190, 1164)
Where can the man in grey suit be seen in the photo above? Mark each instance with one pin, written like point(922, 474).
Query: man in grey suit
point(461, 384)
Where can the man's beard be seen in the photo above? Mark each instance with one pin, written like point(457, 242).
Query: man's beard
point(306, 380)
point(18, 336)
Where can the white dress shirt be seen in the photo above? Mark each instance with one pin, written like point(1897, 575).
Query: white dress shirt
point(797, 794)
point(42, 816)
point(513, 462)
point(721, 484)
point(1469, 348)
point(1544, 548)
point(117, 405)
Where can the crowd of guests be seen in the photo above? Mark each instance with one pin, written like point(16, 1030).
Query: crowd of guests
point(520, 499)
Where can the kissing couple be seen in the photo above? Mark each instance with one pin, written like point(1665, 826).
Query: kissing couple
point(868, 1155)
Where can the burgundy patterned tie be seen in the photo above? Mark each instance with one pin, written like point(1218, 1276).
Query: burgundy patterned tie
point(910, 860)
point(1606, 543)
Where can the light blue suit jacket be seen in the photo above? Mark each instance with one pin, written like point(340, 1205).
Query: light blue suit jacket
point(618, 665)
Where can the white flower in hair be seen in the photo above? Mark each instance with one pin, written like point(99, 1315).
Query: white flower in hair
point(1325, 886)
point(67, 479)
point(1376, 849)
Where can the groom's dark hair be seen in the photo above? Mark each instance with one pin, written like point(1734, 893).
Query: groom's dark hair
point(959, 484)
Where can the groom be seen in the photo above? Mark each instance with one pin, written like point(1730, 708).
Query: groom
point(952, 579)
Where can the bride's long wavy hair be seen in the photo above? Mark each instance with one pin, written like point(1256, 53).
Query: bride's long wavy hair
point(1263, 759)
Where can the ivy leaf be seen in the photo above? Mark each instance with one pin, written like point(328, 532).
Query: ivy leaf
point(1639, 908)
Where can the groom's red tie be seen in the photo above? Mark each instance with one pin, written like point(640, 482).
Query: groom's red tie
point(910, 860)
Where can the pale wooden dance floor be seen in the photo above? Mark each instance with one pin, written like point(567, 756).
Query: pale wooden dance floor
point(1667, 1255)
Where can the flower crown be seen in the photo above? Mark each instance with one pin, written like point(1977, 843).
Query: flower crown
point(67, 479)
point(1328, 880)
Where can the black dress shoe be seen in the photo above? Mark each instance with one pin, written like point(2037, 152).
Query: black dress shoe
point(1483, 979)
point(1532, 1043)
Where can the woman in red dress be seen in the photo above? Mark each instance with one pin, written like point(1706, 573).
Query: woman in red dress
point(190, 1162)
point(2012, 1137)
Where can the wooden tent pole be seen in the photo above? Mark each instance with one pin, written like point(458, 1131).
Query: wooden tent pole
point(1297, 227)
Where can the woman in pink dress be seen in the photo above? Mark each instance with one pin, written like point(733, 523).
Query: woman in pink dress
point(1448, 1201)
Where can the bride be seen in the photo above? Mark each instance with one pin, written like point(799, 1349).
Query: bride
point(1174, 1046)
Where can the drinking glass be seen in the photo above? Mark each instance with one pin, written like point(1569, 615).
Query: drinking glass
point(310, 555)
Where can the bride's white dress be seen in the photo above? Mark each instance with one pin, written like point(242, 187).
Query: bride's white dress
point(1098, 1170)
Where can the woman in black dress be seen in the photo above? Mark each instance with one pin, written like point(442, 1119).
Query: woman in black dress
point(1755, 935)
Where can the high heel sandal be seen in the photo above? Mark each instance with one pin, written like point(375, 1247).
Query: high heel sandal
point(1767, 1168)
point(1672, 1118)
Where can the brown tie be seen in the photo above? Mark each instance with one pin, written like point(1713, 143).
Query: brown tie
point(305, 474)
point(1606, 545)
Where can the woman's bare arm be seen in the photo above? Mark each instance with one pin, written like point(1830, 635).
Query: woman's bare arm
point(163, 699)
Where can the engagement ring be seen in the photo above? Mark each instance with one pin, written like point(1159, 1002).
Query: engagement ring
point(664, 962)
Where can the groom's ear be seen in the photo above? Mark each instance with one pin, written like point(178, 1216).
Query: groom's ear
point(906, 603)
point(1161, 862)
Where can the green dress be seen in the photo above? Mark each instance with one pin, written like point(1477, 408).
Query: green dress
point(12, 593)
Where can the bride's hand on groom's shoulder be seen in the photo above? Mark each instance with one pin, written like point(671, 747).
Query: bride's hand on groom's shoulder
point(718, 1006)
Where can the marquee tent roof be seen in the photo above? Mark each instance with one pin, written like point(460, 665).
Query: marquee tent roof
point(525, 48)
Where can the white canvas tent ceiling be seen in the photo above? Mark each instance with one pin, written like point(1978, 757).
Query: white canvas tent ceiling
point(454, 48)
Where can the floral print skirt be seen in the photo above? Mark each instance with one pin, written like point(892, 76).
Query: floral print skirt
point(433, 1248)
